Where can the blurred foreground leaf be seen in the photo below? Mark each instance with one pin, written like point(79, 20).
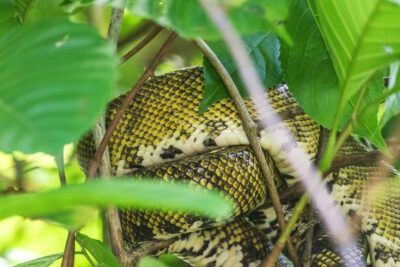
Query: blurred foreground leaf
point(55, 78)
point(127, 193)
point(188, 18)
point(41, 262)
point(98, 250)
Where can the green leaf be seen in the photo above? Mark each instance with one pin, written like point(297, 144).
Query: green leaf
point(262, 48)
point(56, 78)
point(392, 103)
point(8, 18)
point(362, 39)
point(71, 218)
point(98, 250)
point(310, 75)
point(41, 262)
point(188, 18)
point(151, 262)
point(133, 193)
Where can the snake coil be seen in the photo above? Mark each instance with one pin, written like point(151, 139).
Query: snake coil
point(162, 135)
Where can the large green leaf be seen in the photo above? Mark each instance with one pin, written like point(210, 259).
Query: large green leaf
point(98, 250)
point(312, 80)
point(362, 36)
point(188, 18)
point(128, 193)
point(55, 78)
point(262, 48)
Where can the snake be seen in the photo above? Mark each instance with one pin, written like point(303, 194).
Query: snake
point(163, 135)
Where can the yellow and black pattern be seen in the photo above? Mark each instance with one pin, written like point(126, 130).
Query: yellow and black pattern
point(235, 244)
point(233, 171)
point(163, 123)
point(162, 135)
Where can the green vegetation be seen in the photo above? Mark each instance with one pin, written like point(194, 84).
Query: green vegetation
point(58, 71)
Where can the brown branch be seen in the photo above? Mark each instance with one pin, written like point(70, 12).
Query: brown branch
point(307, 257)
point(111, 214)
point(148, 248)
point(69, 249)
point(251, 130)
point(147, 73)
point(154, 32)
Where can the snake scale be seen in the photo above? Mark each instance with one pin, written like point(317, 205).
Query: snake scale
point(162, 135)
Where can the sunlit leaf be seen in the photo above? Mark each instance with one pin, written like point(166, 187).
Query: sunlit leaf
point(41, 262)
point(262, 48)
point(136, 193)
point(56, 78)
point(362, 38)
point(392, 103)
point(312, 80)
point(98, 250)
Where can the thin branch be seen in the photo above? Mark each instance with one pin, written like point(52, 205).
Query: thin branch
point(296, 157)
point(154, 32)
point(112, 217)
point(251, 130)
point(69, 249)
point(114, 29)
point(147, 74)
point(149, 248)
point(307, 253)
point(136, 32)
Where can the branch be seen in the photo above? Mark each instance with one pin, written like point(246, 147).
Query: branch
point(296, 157)
point(137, 32)
point(154, 32)
point(149, 248)
point(111, 214)
point(69, 249)
point(251, 130)
point(128, 99)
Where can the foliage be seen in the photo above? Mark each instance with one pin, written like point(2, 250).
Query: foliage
point(58, 72)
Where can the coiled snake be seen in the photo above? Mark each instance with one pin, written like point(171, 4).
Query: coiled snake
point(162, 135)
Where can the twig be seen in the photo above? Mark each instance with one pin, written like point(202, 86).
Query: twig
point(87, 256)
point(137, 32)
point(251, 130)
point(296, 157)
point(111, 214)
point(114, 29)
point(154, 32)
point(308, 242)
point(69, 249)
point(147, 73)
point(148, 248)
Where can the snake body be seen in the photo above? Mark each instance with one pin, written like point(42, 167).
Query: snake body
point(162, 135)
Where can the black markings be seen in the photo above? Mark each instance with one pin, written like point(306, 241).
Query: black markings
point(209, 142)
point(170, 152)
